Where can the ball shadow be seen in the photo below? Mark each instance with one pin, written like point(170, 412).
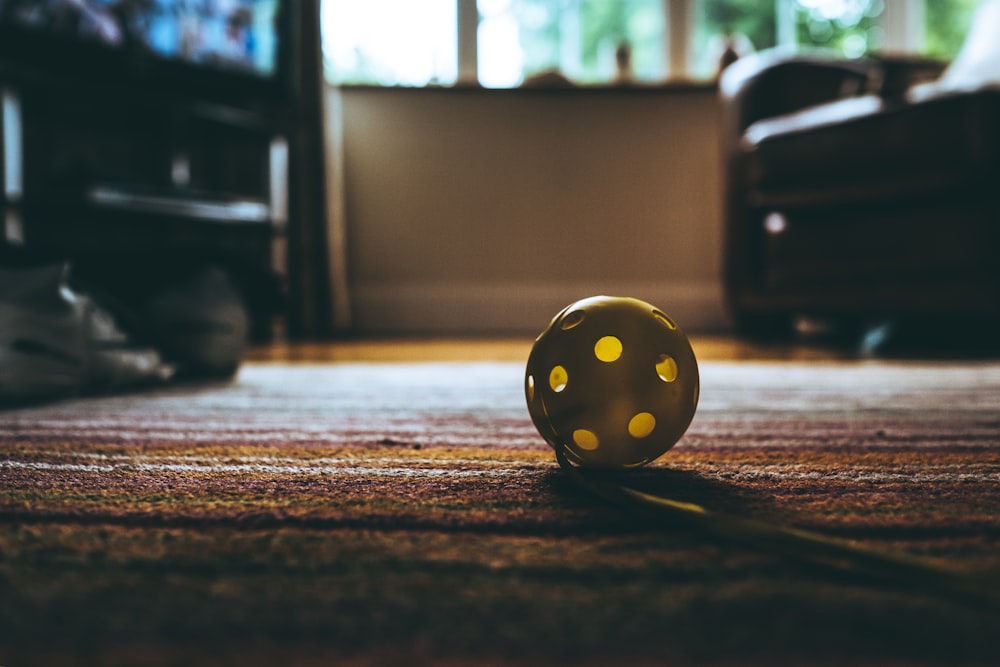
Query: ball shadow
point(683, 486)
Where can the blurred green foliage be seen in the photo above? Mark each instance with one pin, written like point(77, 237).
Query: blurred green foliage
point(947, 22)
point(579, 37)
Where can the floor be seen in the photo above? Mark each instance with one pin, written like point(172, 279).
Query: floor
point(513, 349)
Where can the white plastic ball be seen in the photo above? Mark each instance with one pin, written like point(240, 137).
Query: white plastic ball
point(612, 381)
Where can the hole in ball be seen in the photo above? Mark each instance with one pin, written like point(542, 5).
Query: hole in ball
point(558, 379)
point(662, 316)
point(585, 439)
point(608, 349)
point(571, 320)
point(531, 388)
point(641, 425)
point(666, 368)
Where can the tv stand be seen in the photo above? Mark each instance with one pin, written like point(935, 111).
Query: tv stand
point(178, 203)
point(101, 171)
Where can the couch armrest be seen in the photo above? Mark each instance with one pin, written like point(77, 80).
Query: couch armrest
point(763, 85)
point(776, 82)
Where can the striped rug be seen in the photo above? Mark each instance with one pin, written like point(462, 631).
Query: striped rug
point(408, 513)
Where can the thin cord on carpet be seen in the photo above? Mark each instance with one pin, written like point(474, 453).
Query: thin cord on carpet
point(804, 546)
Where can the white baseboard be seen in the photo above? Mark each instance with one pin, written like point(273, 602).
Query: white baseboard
point(435, 308)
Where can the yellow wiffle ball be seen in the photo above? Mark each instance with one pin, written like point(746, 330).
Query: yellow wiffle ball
point(613, 381)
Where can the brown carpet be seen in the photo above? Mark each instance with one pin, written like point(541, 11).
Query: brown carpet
point(408, 513)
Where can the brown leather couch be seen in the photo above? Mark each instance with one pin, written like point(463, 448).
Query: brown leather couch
point(850, 198)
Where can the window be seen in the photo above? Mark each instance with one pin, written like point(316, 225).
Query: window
point(506, 43)
point(729, 24)
point(944, 26)
point(587, 41)
point(390, 42)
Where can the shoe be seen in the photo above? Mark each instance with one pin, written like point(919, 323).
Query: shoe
point(199, 322)
point(56, 340)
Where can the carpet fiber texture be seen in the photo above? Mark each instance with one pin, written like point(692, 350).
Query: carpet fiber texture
point(409, 513)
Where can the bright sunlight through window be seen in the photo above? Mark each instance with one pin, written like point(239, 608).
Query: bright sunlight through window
point(509, 43)
point(391, 42)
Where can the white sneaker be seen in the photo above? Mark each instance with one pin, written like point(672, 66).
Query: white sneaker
point(56, 341)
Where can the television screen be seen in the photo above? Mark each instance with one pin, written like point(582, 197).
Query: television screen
point(231, 35)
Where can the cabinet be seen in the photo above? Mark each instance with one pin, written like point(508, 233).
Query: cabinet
point(120, 180)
